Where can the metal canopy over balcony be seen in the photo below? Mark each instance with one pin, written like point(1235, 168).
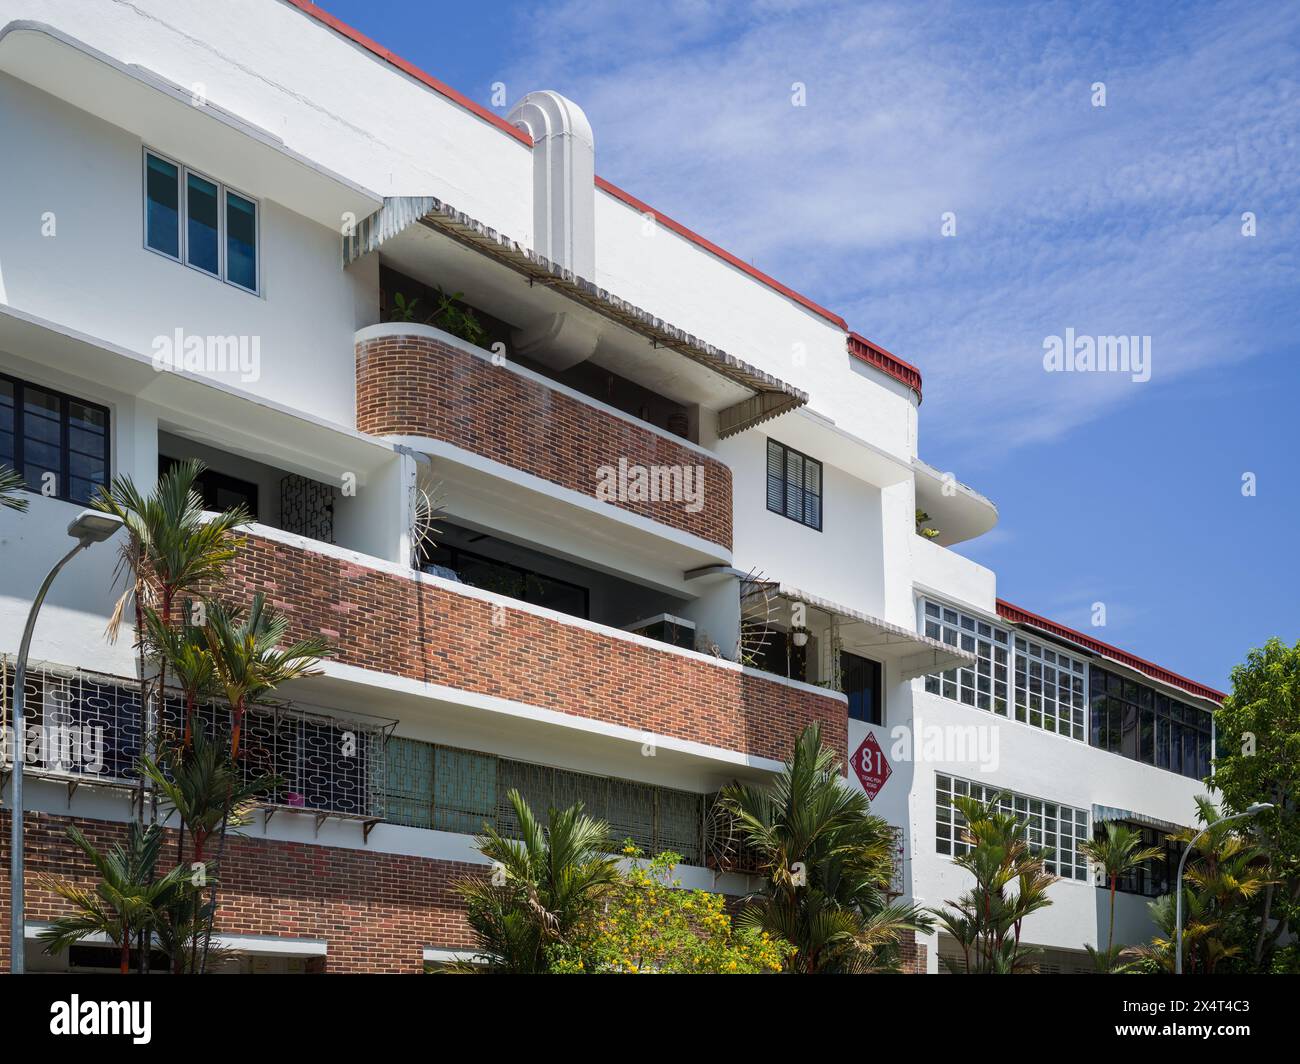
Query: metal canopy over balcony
point(423, 235)
point(910, 652)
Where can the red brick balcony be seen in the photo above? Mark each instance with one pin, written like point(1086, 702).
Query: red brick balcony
point(423, 383)
point(425, 629)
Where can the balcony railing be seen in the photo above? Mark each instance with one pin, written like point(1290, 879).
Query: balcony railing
point(86, 728)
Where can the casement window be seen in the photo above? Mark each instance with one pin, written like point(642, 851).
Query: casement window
point(1141, 723)
point(985, 685)
point(1050, 828)
point(794, 485)
point(1049, 689)
point(199, 221)
point(860, 680)
point(57, 442)
point(1049, 686)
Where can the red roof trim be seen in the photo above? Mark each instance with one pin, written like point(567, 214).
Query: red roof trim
point(1019, 616)
point(323, 16)
point(875, 355)
point(722, 253)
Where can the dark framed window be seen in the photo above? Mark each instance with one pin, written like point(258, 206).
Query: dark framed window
point(1153, 878)
point(57, 442)
point(201, 222)
point(794, 485)
point(1139, 722)
point(219, 491)
point(514, 581)
point(860, 679)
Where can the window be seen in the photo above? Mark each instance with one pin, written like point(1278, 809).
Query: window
point(860, 680)
point(794, 485)
point(219, 491)
point(512, 580)
point(1152, 879)
point(59, 444)
point(1049, 689)
point(985, 685)
point(200, 222)
point(1141, 723)
point(1050, 827)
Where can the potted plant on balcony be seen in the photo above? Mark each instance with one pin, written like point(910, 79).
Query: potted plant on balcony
point(799, 635)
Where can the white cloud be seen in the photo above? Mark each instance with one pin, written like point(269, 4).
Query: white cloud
point(1116, 220)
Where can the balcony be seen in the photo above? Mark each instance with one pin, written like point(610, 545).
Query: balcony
point(479, 648)
point(426, 388)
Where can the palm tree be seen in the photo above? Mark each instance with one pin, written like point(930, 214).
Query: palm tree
point(828, 863)
point(171, 548)
point(128, 900)
point(988, 920)
point(206, 790)
point(247, 663)
point(11, 483)
point(1117, 854)
point(247, 659)
point(543, 885)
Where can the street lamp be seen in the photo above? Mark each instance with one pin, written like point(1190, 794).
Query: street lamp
point(1258, 807)
point(89, 526)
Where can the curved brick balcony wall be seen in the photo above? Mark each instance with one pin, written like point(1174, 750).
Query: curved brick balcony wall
point(396, 624)
point(418, 385)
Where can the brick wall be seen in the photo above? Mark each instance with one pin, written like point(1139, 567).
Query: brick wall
point(405, 627)
point(418, 386)
point(377, 911)
point(912, 957)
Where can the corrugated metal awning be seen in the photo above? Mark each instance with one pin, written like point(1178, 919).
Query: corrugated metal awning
point(1103, 813)
point(771, 397)
point(911, 652)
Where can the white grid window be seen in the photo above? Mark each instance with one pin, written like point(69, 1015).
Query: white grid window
point(1049, 826)
point(1050, 689)
point(984, 685)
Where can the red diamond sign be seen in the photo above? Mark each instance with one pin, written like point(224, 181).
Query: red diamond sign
point(870, 765)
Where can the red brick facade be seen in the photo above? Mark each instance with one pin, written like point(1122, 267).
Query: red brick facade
point(377, 911)
point(418, 386)
point(388, 623)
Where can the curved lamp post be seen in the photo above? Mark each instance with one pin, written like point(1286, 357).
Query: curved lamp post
point(1258, 807)
point(89, 526)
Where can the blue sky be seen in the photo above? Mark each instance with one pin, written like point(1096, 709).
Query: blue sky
point(1116, 220)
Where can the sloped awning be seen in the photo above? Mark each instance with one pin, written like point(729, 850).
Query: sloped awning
point(1104, 813)
point(769, 396)
point(910, 652)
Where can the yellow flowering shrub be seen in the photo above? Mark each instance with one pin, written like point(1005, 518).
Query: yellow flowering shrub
point(651, 924)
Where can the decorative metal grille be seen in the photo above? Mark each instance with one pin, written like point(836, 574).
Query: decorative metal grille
point(85, 726)
point(307, 507)
point(464, 791)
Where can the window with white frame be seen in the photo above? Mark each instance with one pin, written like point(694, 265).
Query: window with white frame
point(983, 685)
point(200, 222)
point(1050, 689)
point(1050, 827)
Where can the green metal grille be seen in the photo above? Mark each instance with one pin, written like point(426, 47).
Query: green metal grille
point(409, 790)
point(432, 786)
point(464, 790)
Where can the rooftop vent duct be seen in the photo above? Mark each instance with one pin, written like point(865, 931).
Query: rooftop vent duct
point(564, 180)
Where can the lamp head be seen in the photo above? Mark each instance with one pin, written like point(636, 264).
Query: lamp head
point(1259, 807)
point(93, 526)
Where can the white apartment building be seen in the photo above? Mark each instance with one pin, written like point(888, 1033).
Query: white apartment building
point(673, 500)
